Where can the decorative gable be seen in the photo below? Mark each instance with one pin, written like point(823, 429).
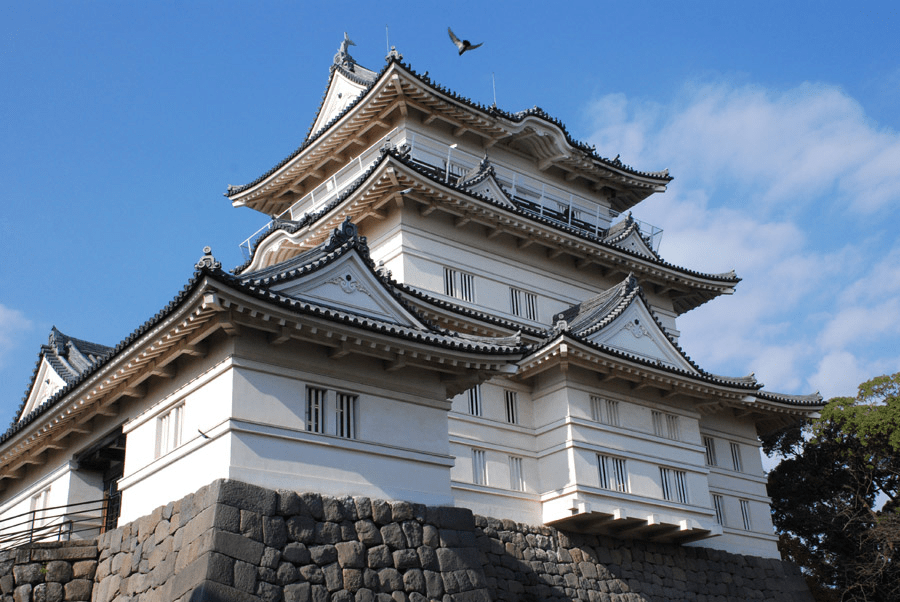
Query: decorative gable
point(635, 243)
point(47, 382)
point(348, 284)
point(636, 332)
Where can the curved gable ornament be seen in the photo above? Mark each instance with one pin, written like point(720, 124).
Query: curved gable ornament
point(349, 285)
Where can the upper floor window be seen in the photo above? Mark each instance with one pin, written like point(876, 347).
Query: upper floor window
point(665, 425)
point(736, 461)
point(745, 515)
point(719, 507)
point(605, 410)
point(516, 475)
point(459, 285)
point(345, 416)
point(168, 430)
point(674, 485)
point(710, 444)
point(474, 398)
point(315, 408)
point(613, 474)
point(512, 406)
point(523, 304)
point(479, 467)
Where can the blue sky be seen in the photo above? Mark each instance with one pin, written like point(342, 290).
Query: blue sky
point(123, 123)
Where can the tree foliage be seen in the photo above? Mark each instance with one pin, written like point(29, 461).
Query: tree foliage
point(836, 495)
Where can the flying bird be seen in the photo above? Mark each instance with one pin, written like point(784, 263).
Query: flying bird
point(463, 45)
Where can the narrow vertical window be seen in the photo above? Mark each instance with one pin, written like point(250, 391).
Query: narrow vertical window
point(479, 467)
point(474, 398)
point(459, 285)
point(605, 411)
point(674, 485)
point(613, 473)
point(39, 504)
point(512, 407)
point(168, 430)
point(345, 416)
point(745, 515)
point(719, 507)
point(315, 405)
point(523, 304)
point(710, 444)
point(736, 460)
point(516, 476)
point(665, 425)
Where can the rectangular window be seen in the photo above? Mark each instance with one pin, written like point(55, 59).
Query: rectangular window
point(719, 506)
point(745, 515)
point(736, 460)
point(613, 474)
point(479, 467)
point(523, 304)
point(516, 476)
point(40, 501)
point(710, 444)
point(605, 411)
point(459, 284)
point(474, 395)
point(665, 425)
point(168, 430)
point(315, 406)
point(345, 416)
point(674, 485)
point(512, 407)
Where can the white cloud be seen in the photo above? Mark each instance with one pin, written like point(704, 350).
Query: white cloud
point(12, 323)
point(773, 184)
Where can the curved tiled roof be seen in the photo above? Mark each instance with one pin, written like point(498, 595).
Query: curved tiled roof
point(813, 399)
point(293, 226)
point(491, 111)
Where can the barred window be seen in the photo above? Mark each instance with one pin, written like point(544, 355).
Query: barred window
point(459, 285)
point(710, 444)
point(674, 485)
point(605, 410)
point(736, 460)
point(613, 474)
point(516, 476)
point(745, 515)
point(345, 416)
point(315, 406)
point(665, 425)
point(168, 430)
point(512, 407)
point(479, 467)
point(523, 304)
point(474, 398)
point(719, 506)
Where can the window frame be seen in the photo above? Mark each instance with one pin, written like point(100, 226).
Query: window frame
point(459, 285)
point(169, 430)
point(613, 473)
point(475, 401)
point(516, 474)
point(523, 304)
point(709, 443)
point(479, 467)
point(511, 403)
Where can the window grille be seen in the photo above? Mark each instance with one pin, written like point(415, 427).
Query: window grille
point(474, 395)
point(345, 416)
point(604, 410)
point(745, 515)
point(315, 406)
point(719, 506)
point(516, 476)
point(459, 285)
point(512, 407)
point(523, 304)
point(710, 444)
point(736, 460)
point(674, 485)
point(479, 467)
point(665, 425)
point(613, 474)
point(168, 430)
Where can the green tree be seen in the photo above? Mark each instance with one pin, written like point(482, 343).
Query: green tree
point(836, 495)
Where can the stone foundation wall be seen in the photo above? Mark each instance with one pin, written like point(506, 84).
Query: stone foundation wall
point(49, 572)
point(231, 541)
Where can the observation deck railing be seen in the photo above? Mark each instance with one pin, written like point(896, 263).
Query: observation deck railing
point(451, 164)
point(82, 520)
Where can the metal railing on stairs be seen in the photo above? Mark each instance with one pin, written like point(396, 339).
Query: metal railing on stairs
point(82, 520)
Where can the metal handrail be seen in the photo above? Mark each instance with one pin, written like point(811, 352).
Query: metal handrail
point(54, 523)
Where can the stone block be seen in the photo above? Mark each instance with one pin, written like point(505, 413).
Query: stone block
point(237, 547)
point(59, 571)
point(23, 593)
point(251, 525)
point(413, 532)
point(287, 573)
point(393, 536)
point(353, 579)
point(244, 576)
point(301, 529)
point(456, 518)
point(414, 581)
point(401, 511)
point(288, 503)
point(363, 507)
point(28, 573)
point(271, 558)
point(323, 555)
point(298, 592)
point(381, 512)
point(312, 505)
point(274, 531)
point(431, 536)
point(48, 592)
point(405, 559)
point(379, 557)
point(364, 595)
point(434, 585)
point(351, 554)
point(78, 590)
point(458, 559)
point(297, 553)
point(245, 496)
point(427, 558)
point(390, 580)
point(332, 509)
point(328, 533)
point(368, 533)
point(78, 551)
point(7, 584)
point(313, 574)
point(334, 577)
point(212, 591)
